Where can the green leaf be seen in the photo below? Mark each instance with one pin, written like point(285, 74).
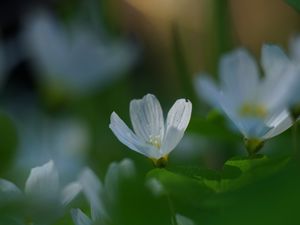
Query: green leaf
point(236, 173)
point(294, 3)
point(274, 200)
point(184, 189)
point(252, 170)
point(135, 204)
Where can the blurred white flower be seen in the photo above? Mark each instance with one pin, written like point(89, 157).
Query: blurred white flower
point(257, 106)
point(74, 58)
point(152, 137)
point(182, 220)
point(155, 187)
point(95, 192)
point(42, 191)
point(64, 141)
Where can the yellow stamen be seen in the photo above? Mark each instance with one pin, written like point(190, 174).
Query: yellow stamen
point(253, 110)
point(155, 141)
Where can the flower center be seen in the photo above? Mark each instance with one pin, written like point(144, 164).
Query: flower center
point(253, 110)
point(155, 141)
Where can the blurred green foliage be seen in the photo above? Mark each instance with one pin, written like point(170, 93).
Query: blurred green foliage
point(8, 141)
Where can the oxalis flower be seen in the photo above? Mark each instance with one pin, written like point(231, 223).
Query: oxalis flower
point(44, 197)
point(152, 137)
point(257, 106)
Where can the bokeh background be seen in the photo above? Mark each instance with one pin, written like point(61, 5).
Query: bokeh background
point(65, 66)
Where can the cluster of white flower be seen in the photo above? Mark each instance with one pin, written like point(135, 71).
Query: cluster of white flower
point(260, 107)
point(44, 200)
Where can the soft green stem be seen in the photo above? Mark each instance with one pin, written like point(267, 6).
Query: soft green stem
point(173, 215)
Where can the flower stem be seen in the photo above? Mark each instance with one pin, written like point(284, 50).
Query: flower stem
point(294, 134)
point(173, 216)
point(161, 162)
point(253, 146)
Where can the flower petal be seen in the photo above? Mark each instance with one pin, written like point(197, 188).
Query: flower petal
point(8, 191)
point(70, 192)
point(128, 138)
point(273, 60)
point(294, 48)
point(43, 182)
point(239, 75)
point(207, 89)
point(177, 121)
point(147, 117)
point(92, 189)
point(280, 123)
point(115, 174)
point(79, 218)
point(277, 91)
point(182, 220)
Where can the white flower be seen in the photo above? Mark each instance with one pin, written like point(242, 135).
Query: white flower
point(42, 190)
point(74, 57)
point(257, 106)
point(152, 137)
point(96, 192)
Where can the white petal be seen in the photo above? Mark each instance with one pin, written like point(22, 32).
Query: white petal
point(127, 168)
point(294, 48)
point(8, 191)
point(70, 192)
point(115, 174)
point(147, 117)
point(207, 89)
point(47, 44)
point(276, 92)
point(43, 182)
point(239, 75)
point(79, 218)
point(111, 182)
point(92, 189)
point(254, 128)
point(128, 138)
point(182, 220)
point(273, 60)
point(280, 123)
point(177, 121)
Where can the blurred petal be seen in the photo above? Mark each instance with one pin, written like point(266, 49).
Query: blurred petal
point(43, 182)
point(280, 122)
point(177, 121)
point(273, 60)
point(79, 218)
point(128, 138)
point(207, 89)
point(70, 192)
point(115, 174)
point(276, 92)
point(92, 188)
point(294, 48)
point(147, 117)
point(127, 168)
point(182, 220)
point(8, 191)
point(239, 75)
point(75, 57)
